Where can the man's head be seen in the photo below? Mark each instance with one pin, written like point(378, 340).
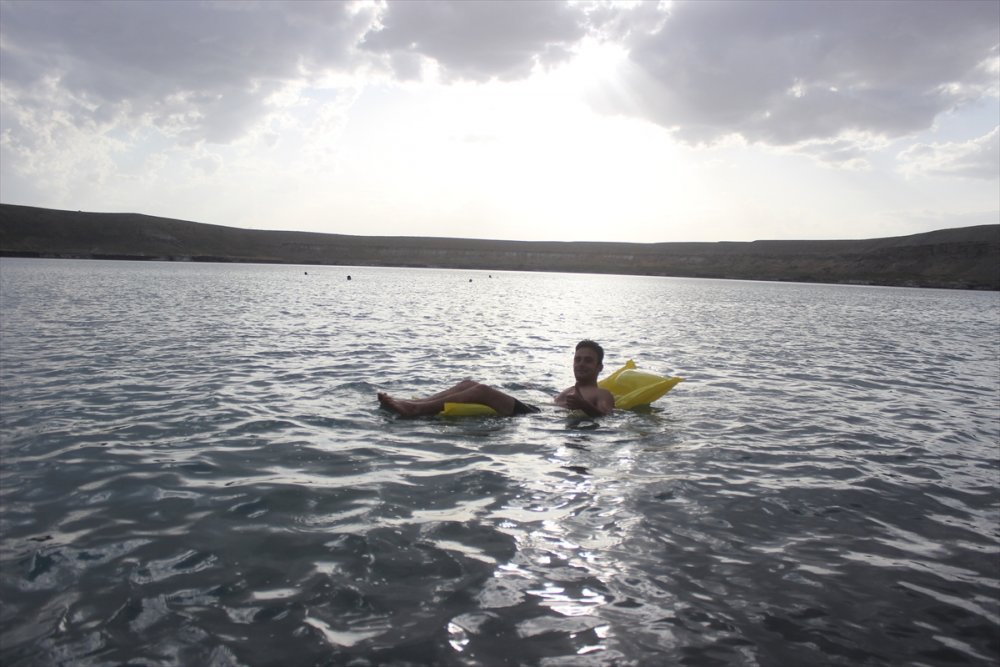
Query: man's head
point(588, 361)
point(598, 350)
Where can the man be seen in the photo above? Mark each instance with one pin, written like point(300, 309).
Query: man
point(585, 395)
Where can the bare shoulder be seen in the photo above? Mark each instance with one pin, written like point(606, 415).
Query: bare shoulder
point(607, 397)
point(595, 394)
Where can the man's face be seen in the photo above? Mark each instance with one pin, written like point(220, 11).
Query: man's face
point(585, 365)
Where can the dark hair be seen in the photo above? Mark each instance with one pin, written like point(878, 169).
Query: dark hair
point(593, 346)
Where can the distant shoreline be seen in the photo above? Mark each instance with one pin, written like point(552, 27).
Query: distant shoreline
point(961, 258)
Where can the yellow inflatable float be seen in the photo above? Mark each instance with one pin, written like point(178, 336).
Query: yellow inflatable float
point(630, 386)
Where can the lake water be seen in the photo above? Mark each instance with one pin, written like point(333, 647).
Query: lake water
point(195, 471)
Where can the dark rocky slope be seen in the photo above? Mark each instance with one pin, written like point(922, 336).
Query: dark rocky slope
point(967, 257)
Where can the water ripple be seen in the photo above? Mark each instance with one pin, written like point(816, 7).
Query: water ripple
point(195, 472)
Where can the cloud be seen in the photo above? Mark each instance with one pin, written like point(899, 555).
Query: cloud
point(777, 73)
point(198, 71)
point(207, 164)
point(834, 81)
point(781, 73)
point(977, 158)
point(477, 41)
point(848, 151)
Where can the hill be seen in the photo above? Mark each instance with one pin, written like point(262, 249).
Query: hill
point(967, 257)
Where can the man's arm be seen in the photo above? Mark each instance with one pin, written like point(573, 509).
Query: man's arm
point(574, 399)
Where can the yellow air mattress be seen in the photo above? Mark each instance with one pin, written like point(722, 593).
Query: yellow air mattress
point(630, 386)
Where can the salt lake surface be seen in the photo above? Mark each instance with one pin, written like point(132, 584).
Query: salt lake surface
point(194, 471)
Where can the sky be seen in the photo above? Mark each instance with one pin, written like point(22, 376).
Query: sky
point(539, 121)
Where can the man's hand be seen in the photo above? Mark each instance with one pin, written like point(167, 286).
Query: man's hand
point(576, 401)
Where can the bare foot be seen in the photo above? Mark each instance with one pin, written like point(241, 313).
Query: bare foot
point(401, 407)
point(385, 400)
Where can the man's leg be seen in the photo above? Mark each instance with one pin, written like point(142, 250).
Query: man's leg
point(450, 391)
point(463, 392)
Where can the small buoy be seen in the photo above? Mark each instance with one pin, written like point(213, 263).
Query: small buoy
point(348, 277)
point(307, 273)
point(470, 280)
